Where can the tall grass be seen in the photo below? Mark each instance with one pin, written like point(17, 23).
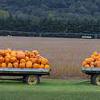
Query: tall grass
point(65, 55)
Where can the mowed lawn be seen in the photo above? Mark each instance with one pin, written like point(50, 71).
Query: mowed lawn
point(50, 89)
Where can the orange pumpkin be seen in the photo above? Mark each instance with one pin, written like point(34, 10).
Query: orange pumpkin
point(35, 52)
point(10, 65)
point(15, 64)
point(27, 53)
point(47, 66)
point(89, 60)
point(35, 65)
point(20, 55)
point(39, 60)
point(22, 65)
point(1, 59)
point(22, 60)
point(87, 65)
point(32, 55)
point(29, 64)
point(42, 66)
point(3, 65)
point(27, 58)
point(7, 51)
point(0, 64)
point(44, 61)
point(34, 60)
point(92, 64)
point(2, 52)
point(13, 59)
point(84, 63)
point(7, 55)
point(7, 59)
point(97, 63)
point(95, 53)
point(13, 53)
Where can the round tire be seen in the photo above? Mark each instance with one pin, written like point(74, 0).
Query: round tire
point(38, 79)
point(32, 80)
point(96, 80)
point(91, 79)
point(24, 79)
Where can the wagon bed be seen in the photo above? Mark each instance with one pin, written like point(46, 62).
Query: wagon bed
point(94, 74)
point(20, 71)
point(91, 70)
point(31, 76)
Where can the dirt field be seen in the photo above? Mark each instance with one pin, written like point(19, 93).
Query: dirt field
point(65, 55)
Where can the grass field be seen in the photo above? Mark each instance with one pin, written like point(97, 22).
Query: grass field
point(50, 90)
point(65, 55)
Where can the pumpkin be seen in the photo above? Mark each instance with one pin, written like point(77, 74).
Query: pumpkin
point(27, 58)
point(27, 53)
point(15, 64)
point(13, 53)
point(7, 59)
point(42, 66)
point(7, 51)
point(35, 65)
point(84, 63)
point(89, 60)
point(38, 56)
point(2, 52)
point(29, 64)
point(1, 59)
point(10, 65)
point(20, 55)
point(34, 60)
point(97, 63)
point(44, 61)
point(22, 65)
point(3, 65)
point(87, 65)
point(39, 60)
point(95, 53)
point(35, 52)
point(7, 55)
point(13, 59)
point(92, 64)
point(47, 66)
point(22, 60)
point(0, 64)
point(32, 55)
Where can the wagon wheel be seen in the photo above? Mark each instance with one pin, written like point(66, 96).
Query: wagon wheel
point(24, 79)
point(91, 79)
point(32, 80)
point(96, 79)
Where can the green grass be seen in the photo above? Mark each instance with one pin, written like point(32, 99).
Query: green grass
point(50, 90)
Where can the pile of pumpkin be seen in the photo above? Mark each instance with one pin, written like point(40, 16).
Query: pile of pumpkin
point(92, 61)
point(22, 59)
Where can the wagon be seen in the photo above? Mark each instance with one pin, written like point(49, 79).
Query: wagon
point(94, 74)
point(27, 75)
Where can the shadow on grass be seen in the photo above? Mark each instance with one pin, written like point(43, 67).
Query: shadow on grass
point(4, 82)
point(49, 82)
point(82, 82)
point(65, 82)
